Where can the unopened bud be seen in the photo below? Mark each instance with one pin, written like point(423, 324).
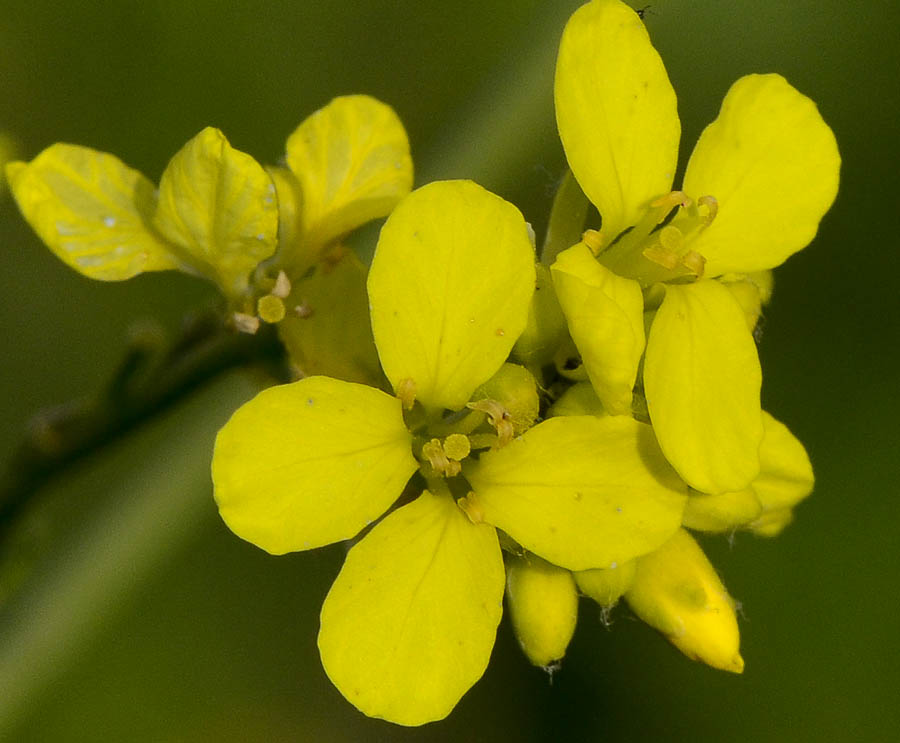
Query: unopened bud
point(606, 585)
point(543, 604)
point(676, 590)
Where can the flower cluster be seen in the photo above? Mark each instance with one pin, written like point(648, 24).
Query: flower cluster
point(483, 418)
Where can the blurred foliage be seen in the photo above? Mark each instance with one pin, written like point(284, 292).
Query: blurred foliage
point(147, 620)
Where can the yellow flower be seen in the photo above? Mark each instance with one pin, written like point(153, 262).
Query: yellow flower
point(220, 215)
point(214, 214)
point(409, 623)
point(757, 184)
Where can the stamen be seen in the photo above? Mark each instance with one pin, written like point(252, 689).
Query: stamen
point(434, 452)
point(498, 417)
point(406, 391)
point(594, 240)
point(270, 308)
point(457, 446)
point(282, 286)
point(471, 509)
point(712, 207)
point(245, 323)
point(665, 204)
point(694, 262)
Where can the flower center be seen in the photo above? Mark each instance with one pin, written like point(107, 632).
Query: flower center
point(649, 253)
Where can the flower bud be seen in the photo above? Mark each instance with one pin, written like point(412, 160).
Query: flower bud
point(546, 325)
point(606, 585)
point(676, 590)
point(515, 389)
point(543, 604)
point(722, 512)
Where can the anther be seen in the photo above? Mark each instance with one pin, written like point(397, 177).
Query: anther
point(434, 452)
point(270, 308)
point(694, 262)
point(594, 240)
point(470, 508)
point(282, 286)
point(406, 391)
point(457, 446)
point(668, 202)
point(712, 208)
point(245, 323)
point(498, 417)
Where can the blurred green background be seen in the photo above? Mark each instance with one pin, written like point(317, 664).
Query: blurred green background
point(144, 619)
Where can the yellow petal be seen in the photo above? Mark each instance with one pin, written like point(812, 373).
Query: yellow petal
point(581, 492)
point(310, 463)
point(616, 112)
point(409, 624)
point(676, 590)
point(721, 513)
point(702, 380)
point(327, 329)
point(772, 164)
point(786, 475)
point(605, 314)
point(606, 586)
point(543, 605)
point(450, 286)
point(218, 206)
point(92, 211)
point(352, 160)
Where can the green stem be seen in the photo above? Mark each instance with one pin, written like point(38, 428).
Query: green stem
point(150, 379)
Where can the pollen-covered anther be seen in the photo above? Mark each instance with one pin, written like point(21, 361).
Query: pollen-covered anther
point(270, 308)
point(470, 507)
point(498, 417)
point(406, 391)
point(711, 209)
point(694, 262)
point(457, 446)
point(434, 452)
point(666, 203)
point(594, 240)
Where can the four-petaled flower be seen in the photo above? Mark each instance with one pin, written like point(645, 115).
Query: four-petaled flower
point(409, 623)
point(757, 184)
